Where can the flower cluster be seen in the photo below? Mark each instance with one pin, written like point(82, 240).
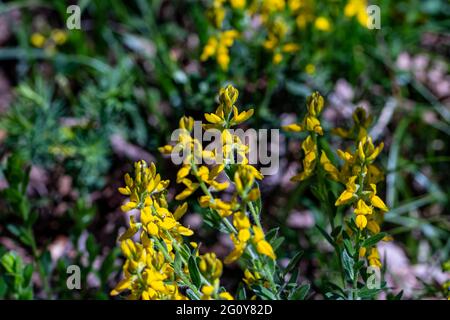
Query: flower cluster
point(312, 126)
point(233, 168)
point(357, 172)
point(280, 21)
point(49, 41)
point(360, 176)
point(151, 270)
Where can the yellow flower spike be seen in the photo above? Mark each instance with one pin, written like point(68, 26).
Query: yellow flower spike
point(315, 104)
point(361, 221)
point(228, 97)
point(376, 201)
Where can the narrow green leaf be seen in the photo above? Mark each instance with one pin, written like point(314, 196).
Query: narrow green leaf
point(373, 240)
point(294, 261)
point(300, 293)
point(194, 272)
point(326, 235)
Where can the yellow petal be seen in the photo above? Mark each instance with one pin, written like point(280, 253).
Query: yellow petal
point(361, 221)
point(378, 203)
point(265, 248)
point(123, 285)
point(292, 128)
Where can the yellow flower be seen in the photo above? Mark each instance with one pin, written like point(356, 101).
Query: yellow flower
point(309, 162)
point(148, 273)
point(310, 69)
point(207, 291)
point(349, 193)
point(329, 167)
point(376, 200)
point(373, 226)
point(237, 4)
point(290, 47)
point(322, 24)
point(131, 231)
point(262, 246)
point(226, 296)
point(357, 8)
point(37, 40)
point(251, 278)
point(210, 266)
point(362, 252)
point(277, 58)
point(218, 46)
point(367, 151)
point(58, 36)
point(361, 221)
point(374, 258)
point(294, 5)
point(362, 208)
point(311, 123)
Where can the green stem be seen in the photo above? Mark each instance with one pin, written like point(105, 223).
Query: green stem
point(179, 274)
point(41, 271)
